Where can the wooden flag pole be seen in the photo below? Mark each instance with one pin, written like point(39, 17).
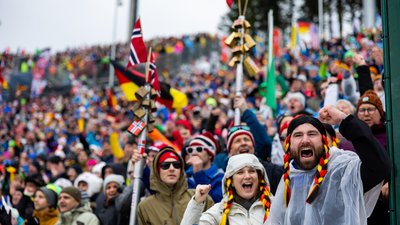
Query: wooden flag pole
point(138, 172)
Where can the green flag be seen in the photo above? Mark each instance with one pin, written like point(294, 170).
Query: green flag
point(271, 86)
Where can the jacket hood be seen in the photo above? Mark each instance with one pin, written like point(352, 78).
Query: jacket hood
point(160, 187)
point(94, 183)
point(240, 161)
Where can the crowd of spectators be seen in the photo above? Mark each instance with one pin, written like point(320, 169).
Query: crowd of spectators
point(68, 158)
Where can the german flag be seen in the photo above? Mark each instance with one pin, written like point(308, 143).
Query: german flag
point(130, 81)
point(3, 81)
point(111, 100)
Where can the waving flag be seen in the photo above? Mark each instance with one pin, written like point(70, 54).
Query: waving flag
point(3, 81)
point(136, 127)
point(131, 80)
point(154, 76)
point(138, 53)
point(229, 2)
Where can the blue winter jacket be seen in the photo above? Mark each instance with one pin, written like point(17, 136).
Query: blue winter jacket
point(211, 176)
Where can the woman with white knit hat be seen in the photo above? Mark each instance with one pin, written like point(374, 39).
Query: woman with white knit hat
point(247, 197)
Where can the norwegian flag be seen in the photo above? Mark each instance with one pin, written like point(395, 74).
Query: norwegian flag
point(138, 53)
point(136, 127)
point(154, 76)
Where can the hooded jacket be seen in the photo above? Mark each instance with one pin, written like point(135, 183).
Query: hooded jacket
point(166, 206)
point(46, 217)
point(238, 214)
point(94, 182)
point(82, 215)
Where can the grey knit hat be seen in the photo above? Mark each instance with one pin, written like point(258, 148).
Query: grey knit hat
point(50, 195)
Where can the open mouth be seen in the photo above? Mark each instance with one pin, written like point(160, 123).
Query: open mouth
point(247, 186)
point(306, 153)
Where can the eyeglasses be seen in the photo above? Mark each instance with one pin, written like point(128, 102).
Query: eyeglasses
point(199, 149)
point(167, 165)
point(236, 128)
point(369, 110)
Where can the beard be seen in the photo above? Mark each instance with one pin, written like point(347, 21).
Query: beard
point(310, 163)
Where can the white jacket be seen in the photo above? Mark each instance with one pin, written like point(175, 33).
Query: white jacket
point(238, 215)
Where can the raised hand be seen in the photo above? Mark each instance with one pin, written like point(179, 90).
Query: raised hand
point(196, 163)
point(331, 115)
point(240, 102)
point(201, 192)
point(359, 60)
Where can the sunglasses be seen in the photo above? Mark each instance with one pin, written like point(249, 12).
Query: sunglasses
point(199, 149)
point(167, 165)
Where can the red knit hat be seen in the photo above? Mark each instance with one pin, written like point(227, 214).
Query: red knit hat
point(166, 155)
point(185, 123)
point(236, 131)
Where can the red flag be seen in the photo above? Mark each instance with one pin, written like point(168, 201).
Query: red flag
point(138, 53)
point(136, 127)
point(229, 2)
point(154, 76)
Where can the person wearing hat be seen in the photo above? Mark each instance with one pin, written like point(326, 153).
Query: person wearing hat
point(200, 155)
point(247, 196)
point(72, 212)
point(168, 180)
point(295, 101)
point(106, 210)
point(185, 129)
point(151, 152)
point(32, 184)
point(25, 203)
point(45, 212)
point(261, 141)
point(326, 185)
point(240, 140)
point(370, 110)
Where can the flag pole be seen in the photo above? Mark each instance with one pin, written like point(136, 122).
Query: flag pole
point(239, 67)
point(270, 37)
point(138, 172)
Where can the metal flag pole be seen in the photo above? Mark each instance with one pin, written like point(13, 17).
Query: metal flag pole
point(239, 75)
point(137, 174)
point(239, 67)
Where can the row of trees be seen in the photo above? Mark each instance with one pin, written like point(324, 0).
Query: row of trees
point(346, 11)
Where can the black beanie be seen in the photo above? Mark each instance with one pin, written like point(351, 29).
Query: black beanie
point(302, 119)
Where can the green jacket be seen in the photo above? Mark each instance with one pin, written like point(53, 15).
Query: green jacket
point(81, 215)
point(167, 206)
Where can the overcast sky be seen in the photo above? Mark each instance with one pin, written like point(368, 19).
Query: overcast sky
point(31, 24)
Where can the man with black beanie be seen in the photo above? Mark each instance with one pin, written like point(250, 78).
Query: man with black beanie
point(323, 185)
